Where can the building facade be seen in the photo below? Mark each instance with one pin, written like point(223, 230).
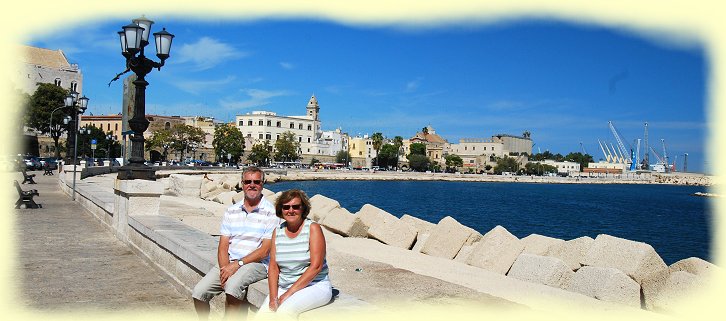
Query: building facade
point(477, 153)
point(516, 145)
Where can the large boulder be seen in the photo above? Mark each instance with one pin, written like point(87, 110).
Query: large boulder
point(342, 222)
point(213, 192)
point(607, 284)
point(446, 239)
point(541, 269)
point(539, 244)
point(664, 292)
point(496, 251)
point(229, 181)
point(637, 259)
point(571, 252)
point(185, 185)
point(206, 186)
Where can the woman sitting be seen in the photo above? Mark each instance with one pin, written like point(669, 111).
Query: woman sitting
point(298, 273)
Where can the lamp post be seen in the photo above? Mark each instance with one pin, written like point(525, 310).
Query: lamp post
point(134, 38)
point(111, 140)
point(79, 106)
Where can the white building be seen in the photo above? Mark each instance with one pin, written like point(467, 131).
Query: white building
point(259, 126)
point(471, 149)
point(569, 168)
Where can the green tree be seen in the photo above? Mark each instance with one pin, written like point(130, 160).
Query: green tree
point(314, 161)
point(388, 156)
point(286, 148)
point(452, 162)
point(578, 157)
point(418, 149)
point(342, 157)
point(160, 140)
point(425, 130)
point(228, 139)
point(260, 154)
point(536, 168)
point(377, 139)
point(418, 162)
point(42, 103)
point(506, 164)
point(84, 143)
point(183, 137)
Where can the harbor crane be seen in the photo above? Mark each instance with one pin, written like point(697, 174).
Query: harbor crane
point(621, 146)
point(665, 156)
point(646, 160)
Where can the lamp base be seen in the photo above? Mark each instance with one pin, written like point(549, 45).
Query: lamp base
point(130, 172)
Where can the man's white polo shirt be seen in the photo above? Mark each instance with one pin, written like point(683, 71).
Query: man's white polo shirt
point(247, 230)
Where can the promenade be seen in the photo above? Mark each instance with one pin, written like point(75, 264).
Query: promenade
point(68, 261)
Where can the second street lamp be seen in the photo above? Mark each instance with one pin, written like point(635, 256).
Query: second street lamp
point(78, 106)
point(134, 38)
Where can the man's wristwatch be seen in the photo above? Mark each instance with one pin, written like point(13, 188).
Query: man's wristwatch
point(240, 262)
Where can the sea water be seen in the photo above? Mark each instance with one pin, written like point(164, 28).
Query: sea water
point(668, 217)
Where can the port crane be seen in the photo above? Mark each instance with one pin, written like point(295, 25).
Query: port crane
point(621, 147)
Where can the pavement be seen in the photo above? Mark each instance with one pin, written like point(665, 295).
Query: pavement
point(68, 261)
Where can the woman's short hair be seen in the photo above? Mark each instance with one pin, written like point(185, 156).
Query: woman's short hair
point(290, 195)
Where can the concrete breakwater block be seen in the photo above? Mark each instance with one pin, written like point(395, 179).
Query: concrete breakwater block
point(464, 253)
point(420, 241)
point(342, 222)
point(496, 251)
point(213, 192)
point(320, 206)
point(636, 259)
point(664, 291)
point(184, 185)
point(446, 238)
point(696, 266)
point(539, 244)
point(206, 186)
point(386, 228)
point(571, 252)
point(607, 284)
point(420, 225)
point(541, 269)
point(225, 197)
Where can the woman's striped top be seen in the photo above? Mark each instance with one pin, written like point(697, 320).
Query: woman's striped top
point(293, 256)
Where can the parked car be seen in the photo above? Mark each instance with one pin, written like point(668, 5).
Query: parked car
point(49, 163)
point(32, 163)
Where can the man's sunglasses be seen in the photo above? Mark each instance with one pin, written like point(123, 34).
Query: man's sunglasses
point(250, 181)
point(295, 207)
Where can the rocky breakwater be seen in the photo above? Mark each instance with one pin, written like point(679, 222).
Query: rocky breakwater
point(607, 268)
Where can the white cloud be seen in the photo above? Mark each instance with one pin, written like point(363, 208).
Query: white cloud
point(256, 98)
point(286, 65)
point(206, 53)
point(201, 86)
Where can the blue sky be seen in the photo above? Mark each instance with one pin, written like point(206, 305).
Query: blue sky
point(561, 81)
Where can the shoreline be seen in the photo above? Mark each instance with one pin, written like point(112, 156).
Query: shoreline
point(686, 179)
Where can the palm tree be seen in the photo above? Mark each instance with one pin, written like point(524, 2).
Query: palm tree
point(398, 142)
point(377, 143)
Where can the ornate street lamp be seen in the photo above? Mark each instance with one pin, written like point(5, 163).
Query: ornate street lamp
point(78, 106)
point(134, 38)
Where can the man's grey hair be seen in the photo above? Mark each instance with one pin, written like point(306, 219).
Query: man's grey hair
point(253, 169)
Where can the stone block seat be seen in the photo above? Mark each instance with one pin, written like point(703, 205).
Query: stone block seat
point(186, 254)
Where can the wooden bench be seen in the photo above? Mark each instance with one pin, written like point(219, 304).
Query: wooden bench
point(28, 178)
point(25, 198)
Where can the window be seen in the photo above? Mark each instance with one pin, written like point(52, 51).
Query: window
point(108, 126)
point(268, 136)
point(465, 147)
point(299, 139)
point(277, 137)
point(74, 86)
point(292, 125)
point(115, 126)
point(241, 123)
point(269, 123)
point(473, 147)
point(471, 161)
point(279, 124)
point(308, 139)
point(360, 153)
point(260, 123)
point(249, 135)
point(353, 145)
point(167, 125)
point(261, 136)
point(310, 127)
point(249, 122)
point(299, 126)
point(57, 82)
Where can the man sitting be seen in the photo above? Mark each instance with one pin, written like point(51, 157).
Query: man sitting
point(244, 246)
